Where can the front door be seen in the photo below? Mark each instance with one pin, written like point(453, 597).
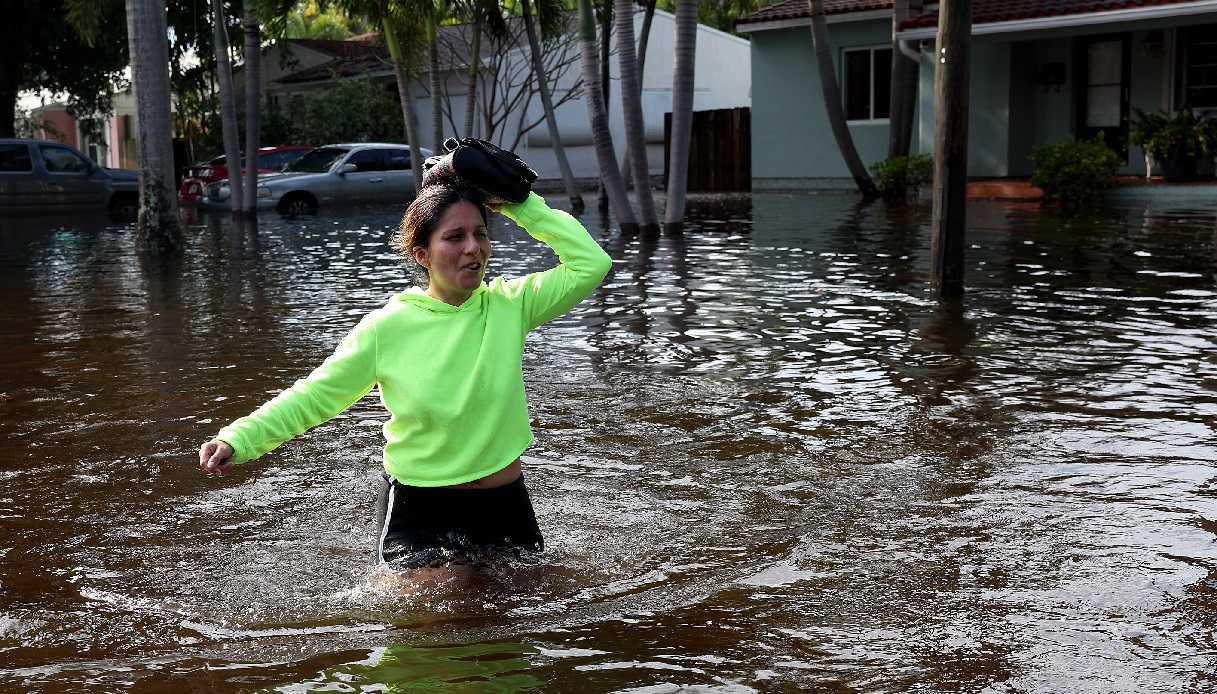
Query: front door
point(1103, 70)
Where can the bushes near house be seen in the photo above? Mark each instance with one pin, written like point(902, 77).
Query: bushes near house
point(898, 177)
point(1076, 172)
point(1176, 141)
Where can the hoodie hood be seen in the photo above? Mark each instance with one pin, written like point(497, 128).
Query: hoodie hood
point(418, 297)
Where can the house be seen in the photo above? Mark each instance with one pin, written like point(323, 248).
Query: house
point(114, 146)
point(723, 80)
point(1042, 71)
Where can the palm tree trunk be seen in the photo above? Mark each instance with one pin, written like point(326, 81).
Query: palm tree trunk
point(147, 38)
point(643, 38)
point(832, 101)
point(475, 61)
point(631, 103)
point(228, 110)
point(606, 31)
point(401, 74)
point(903, 93)
point(253, 106)
point(601, 135)
point(551, 122)
point(685, 51)
point(437, 101)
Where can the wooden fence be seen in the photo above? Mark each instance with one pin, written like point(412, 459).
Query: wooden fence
point(720, 150)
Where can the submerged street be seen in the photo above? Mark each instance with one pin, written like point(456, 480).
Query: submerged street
point(766, 460)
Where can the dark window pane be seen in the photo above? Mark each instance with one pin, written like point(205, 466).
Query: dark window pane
point(60, 160)
point(399, 160)
point(368, 160)
point(857, 85)
point(883, 83)
point(15, 158)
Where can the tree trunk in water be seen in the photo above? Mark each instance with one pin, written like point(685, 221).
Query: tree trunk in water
point(551, 122)
point(949, 219)
point(401, 74)
point(606, 31)
point(437, 101)
point(8, 102)
point(228, 110)
point(147, 37)
point(642, 61)
point(598, 114)
point(685, 51)
point(631, 103)
point(253, 106)
point(832, 101)
point(475, 60)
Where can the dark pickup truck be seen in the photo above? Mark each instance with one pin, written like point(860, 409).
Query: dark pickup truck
point(45, 176)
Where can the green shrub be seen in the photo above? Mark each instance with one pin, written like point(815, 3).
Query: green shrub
point(897, 177)
point(1076, 173)
point(1180, 134)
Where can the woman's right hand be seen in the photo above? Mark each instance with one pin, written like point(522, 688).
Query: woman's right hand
point(215, 457)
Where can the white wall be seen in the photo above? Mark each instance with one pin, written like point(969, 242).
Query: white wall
point(723, 79)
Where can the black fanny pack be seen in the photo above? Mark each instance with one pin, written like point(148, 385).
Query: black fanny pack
point(496, 171)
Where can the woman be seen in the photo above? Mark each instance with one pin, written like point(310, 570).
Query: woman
point(447, 360)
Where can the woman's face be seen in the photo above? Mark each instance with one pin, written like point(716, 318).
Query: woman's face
point(457, 253)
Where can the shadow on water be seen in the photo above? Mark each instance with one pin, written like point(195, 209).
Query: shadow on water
point(766, 460)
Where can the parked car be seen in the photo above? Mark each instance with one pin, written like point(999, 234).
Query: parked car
point(41, 175)
point(360, 172)
point(270, 160)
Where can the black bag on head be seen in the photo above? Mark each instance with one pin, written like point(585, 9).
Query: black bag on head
point(496, 171)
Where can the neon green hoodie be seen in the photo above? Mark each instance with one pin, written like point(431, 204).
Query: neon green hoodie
point(450, 376)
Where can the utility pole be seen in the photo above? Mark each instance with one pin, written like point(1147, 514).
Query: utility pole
point(951, 55)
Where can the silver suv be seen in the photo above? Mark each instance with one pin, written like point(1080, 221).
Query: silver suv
point(359, 172)
point(42, 176)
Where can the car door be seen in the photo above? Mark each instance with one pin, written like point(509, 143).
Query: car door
point(399, 178)
point(71, 180)
point(20, 187)
point(367, 181)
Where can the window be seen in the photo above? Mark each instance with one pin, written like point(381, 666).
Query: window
point(399, 160)
point(1199, 73)
point(368, 160)
point(15, 159)
point(866, 81)
point(60, 160)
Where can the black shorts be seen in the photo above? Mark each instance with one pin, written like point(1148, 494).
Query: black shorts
point(433, 526)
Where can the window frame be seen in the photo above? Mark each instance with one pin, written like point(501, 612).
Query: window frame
point(1190, 36)
point(45, 147)
point(29, 155)
point(871, 48)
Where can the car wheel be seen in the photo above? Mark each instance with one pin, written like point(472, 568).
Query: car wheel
point(124, 208)
point(298, 204)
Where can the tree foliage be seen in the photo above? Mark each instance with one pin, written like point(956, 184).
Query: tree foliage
point(39, 51)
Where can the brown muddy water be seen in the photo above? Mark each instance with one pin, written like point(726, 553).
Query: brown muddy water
point(766, 461)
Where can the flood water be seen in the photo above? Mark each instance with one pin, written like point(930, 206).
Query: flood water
point(766, 460)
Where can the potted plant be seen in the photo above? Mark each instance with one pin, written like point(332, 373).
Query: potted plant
point(1176, 141)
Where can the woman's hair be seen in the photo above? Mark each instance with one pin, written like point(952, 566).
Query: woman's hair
point(424, 213)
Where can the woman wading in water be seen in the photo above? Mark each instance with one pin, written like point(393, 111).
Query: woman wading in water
point(447, 361)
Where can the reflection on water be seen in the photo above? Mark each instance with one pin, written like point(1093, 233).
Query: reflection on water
point(766, 460)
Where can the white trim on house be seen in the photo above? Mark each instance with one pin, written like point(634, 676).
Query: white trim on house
point(806, 21)
point(1079, 20)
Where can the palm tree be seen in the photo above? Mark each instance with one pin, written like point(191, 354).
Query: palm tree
point(832, 101)
point(253, 115)
point(643, 37)
point(685, 50)
point(147, 38)
point(903, 93)
point(436, 12)
point(631, 102)
point(228, 109)
point(598, 115)
point(551, 122)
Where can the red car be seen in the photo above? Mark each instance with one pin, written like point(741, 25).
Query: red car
point(270, 160)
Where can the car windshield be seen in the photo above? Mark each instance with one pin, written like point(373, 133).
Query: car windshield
point(317, 161)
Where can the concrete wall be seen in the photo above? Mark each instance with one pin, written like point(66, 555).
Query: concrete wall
point(792, 144)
